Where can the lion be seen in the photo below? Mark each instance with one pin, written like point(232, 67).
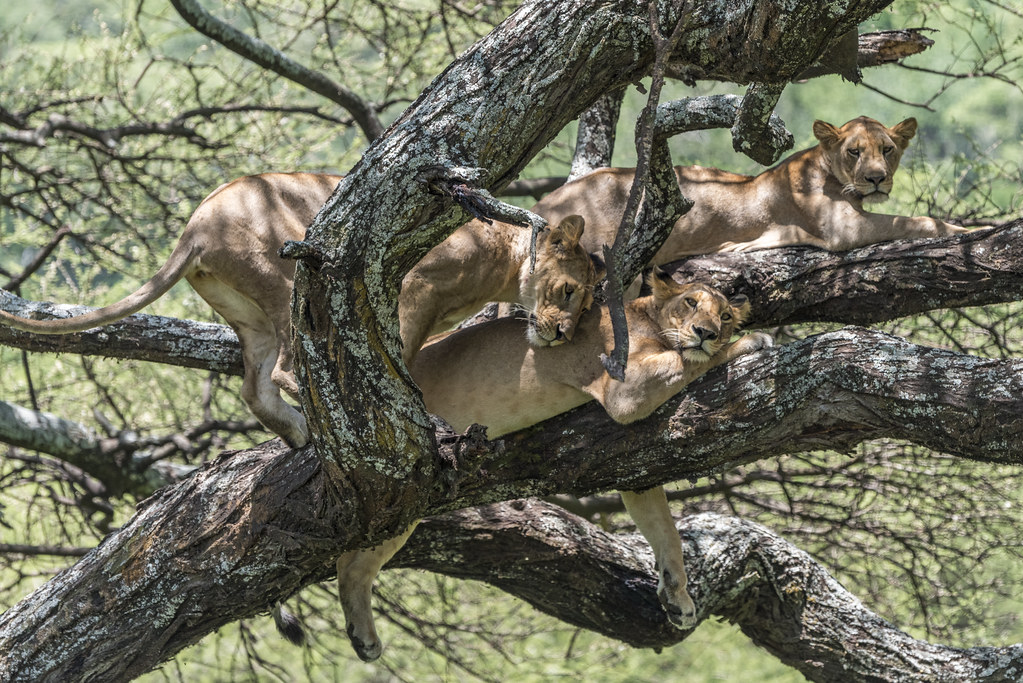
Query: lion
point(815, 197)
point(490, 375)
point(228, 254)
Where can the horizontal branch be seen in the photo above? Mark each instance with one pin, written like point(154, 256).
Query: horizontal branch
point(202, 557)
point(778, 595)
point(871, 284)
point(868, 285)
point(831, 391)
point(154, 338)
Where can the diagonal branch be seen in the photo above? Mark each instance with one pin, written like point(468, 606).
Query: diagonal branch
point(258, 52)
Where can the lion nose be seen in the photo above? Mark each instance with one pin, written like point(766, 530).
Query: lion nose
point(876, 178)
point(563, 335)
point(704, 334)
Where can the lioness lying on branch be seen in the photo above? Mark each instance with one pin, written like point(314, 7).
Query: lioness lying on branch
point(490, 375)
point(814, 197)
point(229, 254)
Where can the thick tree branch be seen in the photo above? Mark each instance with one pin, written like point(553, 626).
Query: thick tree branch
point(778, 595)
point(868, 285)
point(490, 111)
point(275, 532)
point(871, 284)
point(110, 461)
point(255, 525)
point(595, 138)
point(185, 343)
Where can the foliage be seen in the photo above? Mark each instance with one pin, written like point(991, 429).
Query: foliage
point(163, 115)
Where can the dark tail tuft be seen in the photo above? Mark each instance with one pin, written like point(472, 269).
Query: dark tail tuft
point(288, 624)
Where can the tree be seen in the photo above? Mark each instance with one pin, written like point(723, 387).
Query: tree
point(291, 515)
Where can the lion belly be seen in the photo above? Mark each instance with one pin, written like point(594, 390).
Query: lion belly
point(488, 374)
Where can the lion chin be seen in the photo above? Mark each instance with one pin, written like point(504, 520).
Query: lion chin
point(696, 354)
point(875, 197)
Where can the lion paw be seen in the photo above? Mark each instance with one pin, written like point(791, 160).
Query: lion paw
point(761, 340)
point(367, 652)
point(677, 603)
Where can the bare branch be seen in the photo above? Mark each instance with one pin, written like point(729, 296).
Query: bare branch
point(258, 52)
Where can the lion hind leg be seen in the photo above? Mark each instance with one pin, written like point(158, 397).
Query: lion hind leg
point(263, 396)
point(649, 510)
point(260, 350)
point(356, 571)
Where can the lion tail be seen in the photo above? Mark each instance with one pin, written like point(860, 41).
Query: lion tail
point(173, 270)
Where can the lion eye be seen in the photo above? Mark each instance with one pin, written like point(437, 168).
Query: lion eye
point(854, 152)
point(569, 290)
point(726, 316)
point(888, 149)
point(691, 302)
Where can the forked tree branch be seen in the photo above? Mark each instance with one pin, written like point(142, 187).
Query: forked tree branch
point(254, 526)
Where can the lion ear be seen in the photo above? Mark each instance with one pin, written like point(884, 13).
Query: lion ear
point(826, 133)
point(662, 285)
point(740, 307)
point(568, 232)
point(903, 132)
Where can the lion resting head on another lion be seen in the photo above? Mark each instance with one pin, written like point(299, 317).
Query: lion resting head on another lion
point(491, 375)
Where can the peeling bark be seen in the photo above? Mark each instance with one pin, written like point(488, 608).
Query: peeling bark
point(778, 595)
point(254, 526)
point(486, 116)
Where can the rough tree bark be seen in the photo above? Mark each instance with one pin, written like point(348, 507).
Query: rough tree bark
point(867, 285)
point(780, 597)
point(146, 590)
point(255, 526)
point(482, 120)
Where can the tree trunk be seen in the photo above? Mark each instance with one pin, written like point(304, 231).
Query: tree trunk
point(481, 121)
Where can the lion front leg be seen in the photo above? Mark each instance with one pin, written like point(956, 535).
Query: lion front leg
point(649, 510)
point(356, 571)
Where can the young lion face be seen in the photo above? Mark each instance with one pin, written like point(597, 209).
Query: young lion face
point(864, 154)
point(561, 285)
point(695, 319)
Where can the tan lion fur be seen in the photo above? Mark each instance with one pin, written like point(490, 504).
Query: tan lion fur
point(228, 254)
point(814, 197)
point(489, 374)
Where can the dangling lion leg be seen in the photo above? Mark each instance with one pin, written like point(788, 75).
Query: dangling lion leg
point(356, 571)
point(650, 512)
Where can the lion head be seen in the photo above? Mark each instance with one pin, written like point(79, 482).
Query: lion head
point(863, 154)
point(695, 319)
point(560, 288)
